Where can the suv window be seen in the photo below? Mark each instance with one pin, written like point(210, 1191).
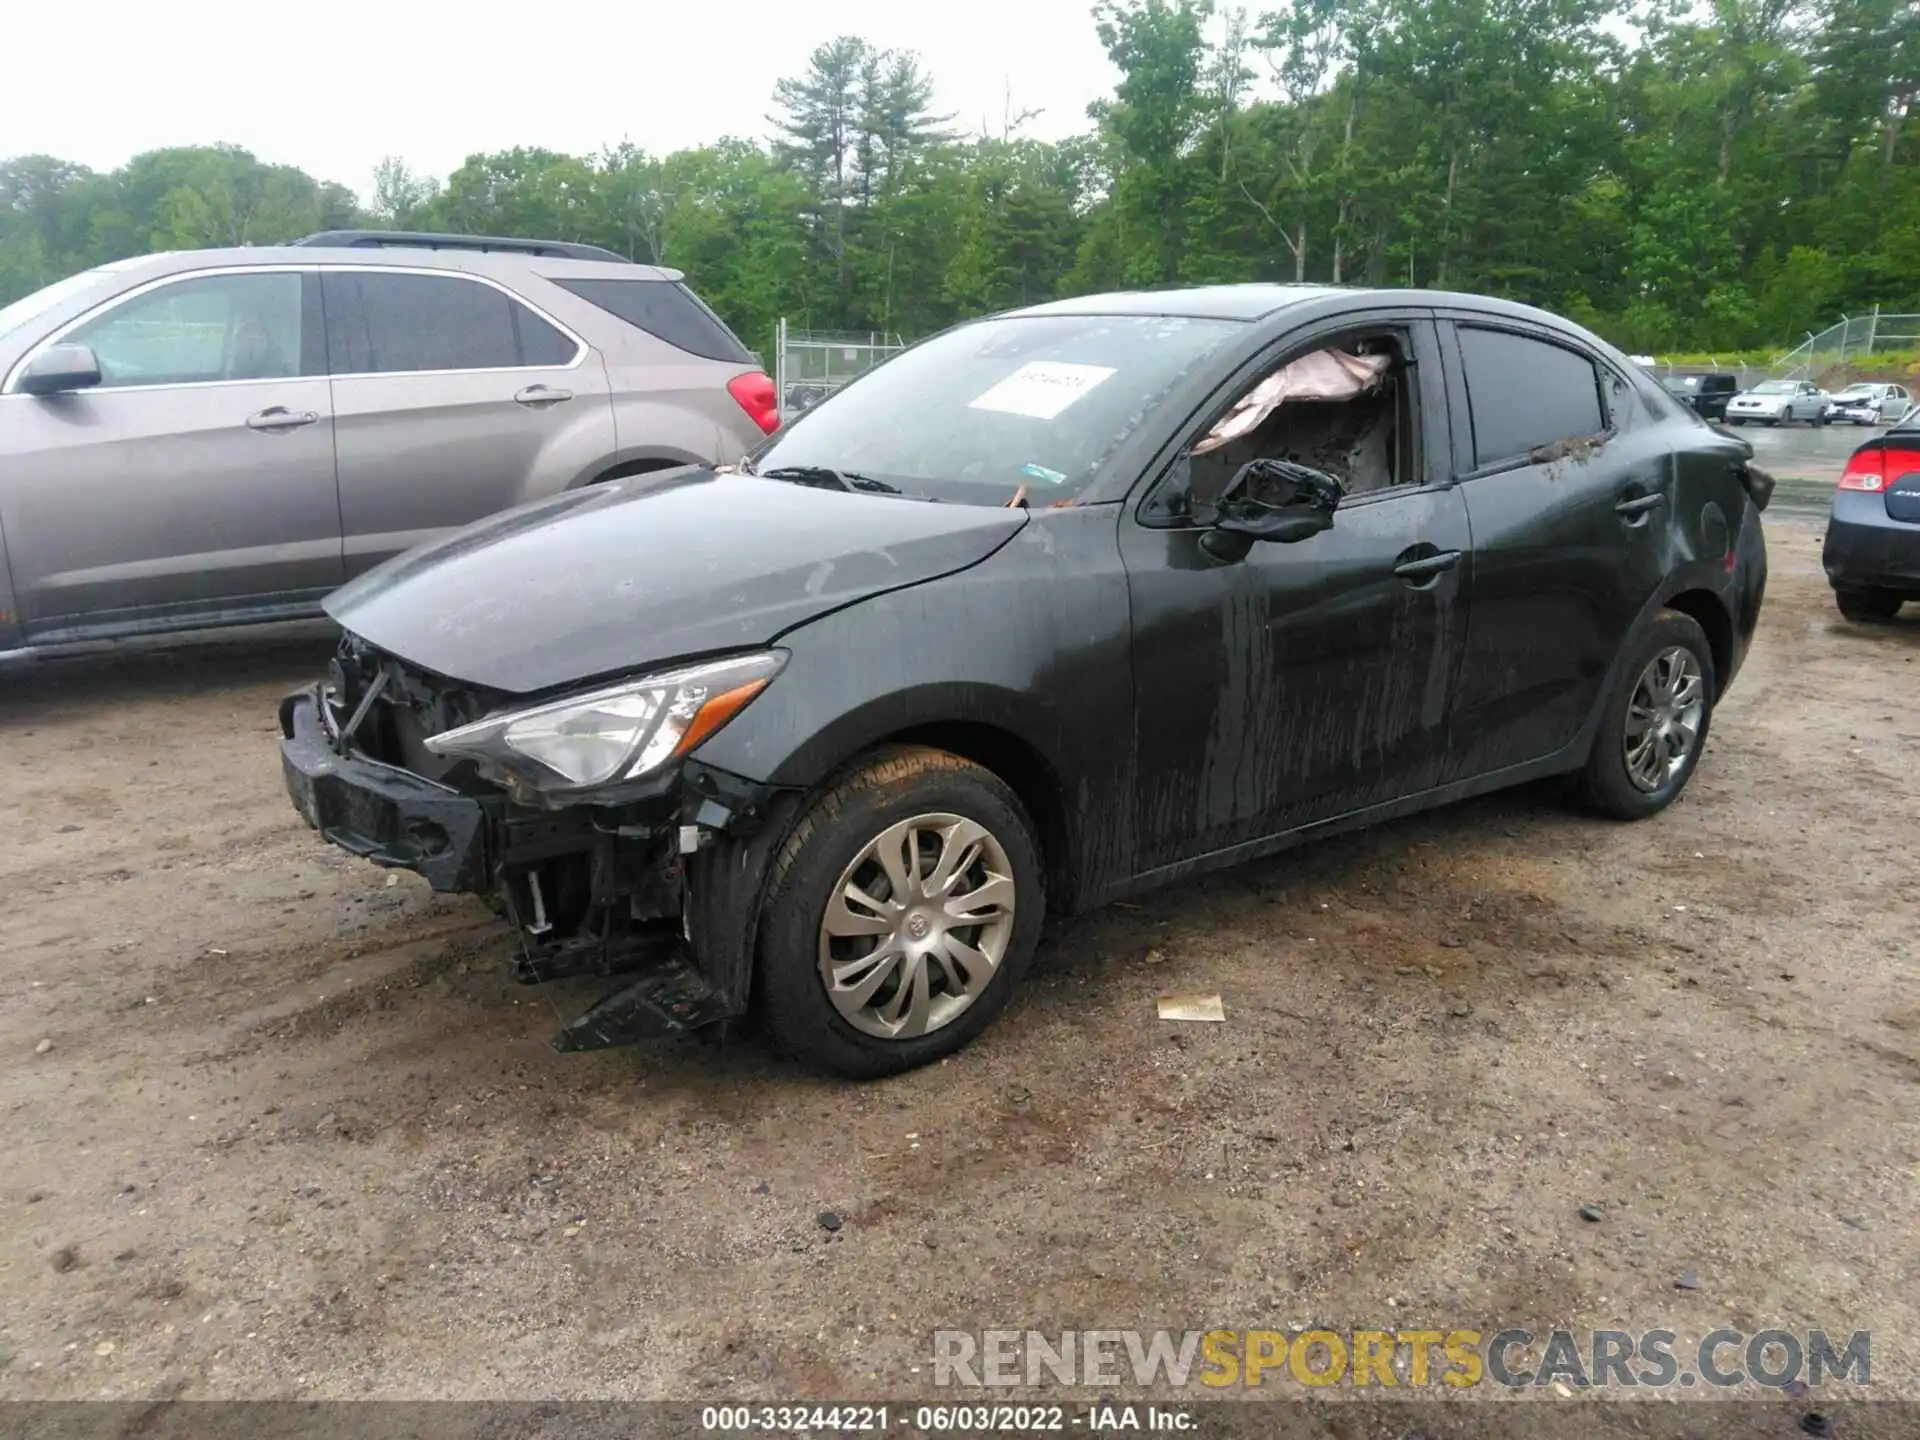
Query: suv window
point(209, 328)
point(667, 311)
point(381, 324)
point(1526, 393)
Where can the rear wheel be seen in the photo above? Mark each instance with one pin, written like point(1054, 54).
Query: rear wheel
point(1866, 606)
point(901, 913)
point(1655, 723)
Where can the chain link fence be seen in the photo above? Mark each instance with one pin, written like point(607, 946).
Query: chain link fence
point(810, 365)
point(1855, 338)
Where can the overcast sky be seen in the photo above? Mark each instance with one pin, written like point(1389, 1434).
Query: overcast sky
point(336, 86)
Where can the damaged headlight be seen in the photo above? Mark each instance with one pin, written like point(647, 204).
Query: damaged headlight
point(612, 735)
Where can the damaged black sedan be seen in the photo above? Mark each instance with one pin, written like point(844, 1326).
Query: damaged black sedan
point(1054, 606)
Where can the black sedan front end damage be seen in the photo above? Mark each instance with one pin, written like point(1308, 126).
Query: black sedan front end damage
point(595, 889)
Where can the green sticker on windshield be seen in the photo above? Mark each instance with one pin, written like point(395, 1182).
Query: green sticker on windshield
point(1040, 472)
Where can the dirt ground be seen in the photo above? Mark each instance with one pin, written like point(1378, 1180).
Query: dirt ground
point(278, 1125)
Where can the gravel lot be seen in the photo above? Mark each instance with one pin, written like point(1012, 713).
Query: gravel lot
point(278, 1125)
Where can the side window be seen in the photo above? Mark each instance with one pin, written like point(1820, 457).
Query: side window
point(1525, 394)
point(211, 328)
point(540, 343)
point(667, 311)
point(1345, 409)
point(380, 324)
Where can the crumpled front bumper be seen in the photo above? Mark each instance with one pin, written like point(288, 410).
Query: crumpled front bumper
point(391, 817)
point(678, 974)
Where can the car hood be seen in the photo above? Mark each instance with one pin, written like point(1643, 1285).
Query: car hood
point(651, 569)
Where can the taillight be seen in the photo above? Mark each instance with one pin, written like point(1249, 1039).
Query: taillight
point(1875, 470)
point(756, 396)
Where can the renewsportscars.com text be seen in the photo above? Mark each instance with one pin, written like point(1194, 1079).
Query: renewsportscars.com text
point(1511, 1358)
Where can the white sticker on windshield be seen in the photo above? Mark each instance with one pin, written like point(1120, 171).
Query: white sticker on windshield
point(1041, 388)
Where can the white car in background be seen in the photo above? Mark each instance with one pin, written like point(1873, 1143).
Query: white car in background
point(1872, 404)
point(1772, 401)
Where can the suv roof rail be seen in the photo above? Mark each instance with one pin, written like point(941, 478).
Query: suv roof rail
point(425, 240)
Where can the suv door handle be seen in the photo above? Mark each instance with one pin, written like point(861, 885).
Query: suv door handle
point(278, 417)
point(1427, 566)
point(538, 395)
point(1637, 505)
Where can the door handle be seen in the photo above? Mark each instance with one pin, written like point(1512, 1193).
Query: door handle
point(1636, 505)
point(535, 396)
point(278, 417)
point(1427, 566)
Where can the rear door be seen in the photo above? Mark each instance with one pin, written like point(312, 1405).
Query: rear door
point(1569, 501)
point(196, 480)
point(453, 399)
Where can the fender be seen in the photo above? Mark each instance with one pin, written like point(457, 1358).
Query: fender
point(1023, 661)
point(636, 460)
point(871, 720)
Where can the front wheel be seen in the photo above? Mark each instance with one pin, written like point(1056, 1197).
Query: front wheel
point(1867, 606)
point(1654, 726)
point(900, 915)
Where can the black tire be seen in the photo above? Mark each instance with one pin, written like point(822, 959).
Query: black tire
point(1866, 607)
point(1605, 785)
point(1735, 420)
point(836, 824)
point(1772, 423)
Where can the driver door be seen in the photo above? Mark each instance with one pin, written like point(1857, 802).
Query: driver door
point(1312, 679)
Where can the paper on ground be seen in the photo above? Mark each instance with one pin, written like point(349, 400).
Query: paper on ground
point(1192, 1007)
point(1041, 388)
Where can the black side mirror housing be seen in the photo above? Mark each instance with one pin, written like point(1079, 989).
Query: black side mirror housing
point(1272, 500)
point(58, 369)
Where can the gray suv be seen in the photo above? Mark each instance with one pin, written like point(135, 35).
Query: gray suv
point(217, 437)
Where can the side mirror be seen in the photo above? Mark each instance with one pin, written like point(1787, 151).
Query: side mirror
point(1272, 500)
point(60, 368)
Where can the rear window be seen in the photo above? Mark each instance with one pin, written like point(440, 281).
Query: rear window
point(667, 311)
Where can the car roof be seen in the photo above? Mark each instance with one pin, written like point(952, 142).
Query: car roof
point(1260, 300)
point(1200, 302)
point(497, 264)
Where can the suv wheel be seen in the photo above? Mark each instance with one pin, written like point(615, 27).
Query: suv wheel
point(1866, 606)
point(1654, 726)
point(900, 914)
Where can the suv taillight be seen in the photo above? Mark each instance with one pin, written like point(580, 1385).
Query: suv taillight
point(756, 397)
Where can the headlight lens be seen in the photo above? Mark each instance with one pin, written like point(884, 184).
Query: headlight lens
point(620, 733)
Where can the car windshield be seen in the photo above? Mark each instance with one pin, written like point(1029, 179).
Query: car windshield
point(975, 415)
point(29, 308)
point(1774, 387)
point(1682, 384)
point(1855, 392)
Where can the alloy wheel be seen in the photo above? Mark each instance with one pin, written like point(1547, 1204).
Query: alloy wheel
point(1663, 718)
point(917, 925)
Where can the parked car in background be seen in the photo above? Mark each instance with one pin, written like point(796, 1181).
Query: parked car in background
point(1706, 395)
point(1872, 550)
point(221, 436)
point(1050, 607)
point(1872, 404)
point(1773, 401)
